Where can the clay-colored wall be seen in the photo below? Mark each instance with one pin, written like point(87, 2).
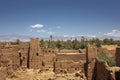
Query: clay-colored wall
point(49, 51)
point(91, 53)
point(70, 51)
point(69, 63)
point(35, 55)
point(49, 60)
point(12, 53)
point(74, 57)
point(118, 56)
point(103, 71)
point(68, 66)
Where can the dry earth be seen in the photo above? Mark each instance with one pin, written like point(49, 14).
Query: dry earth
point(32, 74)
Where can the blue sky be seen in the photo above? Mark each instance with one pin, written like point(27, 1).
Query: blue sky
point(42, 18)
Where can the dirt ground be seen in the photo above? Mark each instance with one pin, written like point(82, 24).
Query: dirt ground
point(109, 47)
point(32, 74)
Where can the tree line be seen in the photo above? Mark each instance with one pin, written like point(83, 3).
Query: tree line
point(73, 44)
point(77, 44)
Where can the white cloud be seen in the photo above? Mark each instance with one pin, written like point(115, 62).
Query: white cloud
point(65, 35)
point(114, 33)
point(91, 35)
point(88, 35)
point(42, 30)
point(37, 26)
point(81, 35)
point(50, 33)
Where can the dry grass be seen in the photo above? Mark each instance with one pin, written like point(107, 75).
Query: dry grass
point(109, 47)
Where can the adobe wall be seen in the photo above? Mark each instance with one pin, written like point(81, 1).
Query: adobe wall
point(68, 66)
point(69, 51)
point(69, 63)
point(35, 54)
point(49, 60)
point(91, 53)
point(49, 51)
point(117, 61)
point(29, 56)
point(75, 57)
point(117, 56)
point(96, 69)
point(13, 51)
point(102, 71)
point(23, 54)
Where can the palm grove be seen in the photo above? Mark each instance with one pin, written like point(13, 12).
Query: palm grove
point(77, 44)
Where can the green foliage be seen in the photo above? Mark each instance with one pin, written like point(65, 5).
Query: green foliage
point(59, 44)
point(82, 45)
point(109, 41)
point(51, 45)
point(17, 42)
point(42, 43)
point(96, 42)
point(110, 60)
point(68, 44)
point(77, 44)
point(118, 43)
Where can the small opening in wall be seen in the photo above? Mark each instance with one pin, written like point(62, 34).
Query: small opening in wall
point(20, 55)
point(52, 51)
point(37, 54)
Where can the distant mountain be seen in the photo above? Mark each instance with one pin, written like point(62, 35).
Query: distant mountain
point(68, 38)
point(80, 37)
point(113, 37)
point(8, 38)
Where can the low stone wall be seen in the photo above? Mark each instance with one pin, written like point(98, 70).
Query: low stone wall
point(104, 72)
point(12, 53)
point(49, 51)
point(68, 67)
point(69, 51)
point(48, 60)
point(117, 56)
point(69, 63)
point(101, 71)
point(73, 57)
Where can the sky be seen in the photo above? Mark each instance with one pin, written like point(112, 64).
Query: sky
point(42, 18)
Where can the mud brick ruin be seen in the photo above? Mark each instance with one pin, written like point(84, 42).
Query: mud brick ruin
point(35, 55)
point(31, 55)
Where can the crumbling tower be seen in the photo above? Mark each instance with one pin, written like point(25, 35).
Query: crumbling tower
point(91, 53)
point(117, 74)
point(35, 54)
point(118, 56)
